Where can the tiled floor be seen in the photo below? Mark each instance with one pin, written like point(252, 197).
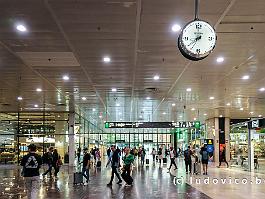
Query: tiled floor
point(149, 182)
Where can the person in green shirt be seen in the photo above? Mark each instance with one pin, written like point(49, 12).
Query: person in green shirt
point(128, 159)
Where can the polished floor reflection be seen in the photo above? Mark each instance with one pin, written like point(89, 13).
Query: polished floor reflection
point(149, 182)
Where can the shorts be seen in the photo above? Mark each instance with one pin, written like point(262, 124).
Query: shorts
point(204, 161)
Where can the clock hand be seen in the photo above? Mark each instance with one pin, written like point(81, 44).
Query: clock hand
point(195, 40)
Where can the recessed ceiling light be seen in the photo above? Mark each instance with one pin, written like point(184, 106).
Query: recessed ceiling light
point(106, 59)
point(180, 116)
point(220, 115)
point(19, 98)
point(148, 98)
point(260, 115)
point(211, 98)
point(38, 89)
point(94, 109)
point(245, 77)
point(251, 113)
point(36, 105)
point(100, 116)
point(193, 109)
point(83, 98)
point(114, 89)
point(173, 104)
point(262, 89)
point(220, 59)
point(188, 89)
point(228, 104)
point(164, 113)
point(205, 114)
point(66, 77)
point(176, 28)
point(117, 104)
point(194, 118)
point(156, 77)
point(21, 28)
point(141, 116)
point(121, 119)
point(241, 109)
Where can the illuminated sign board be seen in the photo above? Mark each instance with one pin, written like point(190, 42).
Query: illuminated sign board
point(193, 124)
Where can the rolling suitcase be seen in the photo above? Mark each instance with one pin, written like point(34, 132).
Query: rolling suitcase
point(78, 178)
point(147, 161)
point(197, 168)
point(164, 160)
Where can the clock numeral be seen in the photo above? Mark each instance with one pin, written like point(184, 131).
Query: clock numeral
point(210, 38)
point(198, 26)
point(198, 50)
point(186, 38)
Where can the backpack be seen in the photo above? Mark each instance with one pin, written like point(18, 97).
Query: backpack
point(45, 158)
point(187, 154)
point(159, 152)
point(205, 155)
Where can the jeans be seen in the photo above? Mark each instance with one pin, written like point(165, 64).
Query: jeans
point(172, 162)
point(85, 173)
point(32, 186)
point(114, 171)
point(49, 170)
point(188, 164)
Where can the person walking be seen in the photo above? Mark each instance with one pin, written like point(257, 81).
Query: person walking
point(108, 152)
point(154, 154)
point(187, 159)
point(222, 157)
point(128, 159)
point(86, 164)
point(115, 162)
point(143, 156)
point(55, 162)
point(31, 164)
point(78, 154)
point(172, 155)
point(48, 159)
point(205, 158)
point(160, 155)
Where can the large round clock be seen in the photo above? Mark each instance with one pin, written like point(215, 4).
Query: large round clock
point(197, 40)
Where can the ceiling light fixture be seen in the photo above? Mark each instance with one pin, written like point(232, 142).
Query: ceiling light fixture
point(245, 77)
point(21, 28)
point(220, 59)
point(180, 116)
point(100, 116)
point(117, 104)
point(260, 115)
point(93, 109)
point(228, 104)
point(36, 105)
point(194, 118)
point(106, 59)
point(156, 77)
point(205, 114)
point(262, 89)
point(148, 98)
point(164, 113)
point(193, 109)
point(83, 98)
point(211, 98)
point(241, 109)
point(38, 89)
point(220, 115)
point(176, 28)
point(188, 89)
point(19, 98)
point(66, 77)
point(114, 89)
point(173, 104)
point(251, 113)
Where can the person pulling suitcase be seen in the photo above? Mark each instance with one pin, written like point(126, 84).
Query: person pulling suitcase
point(127, 160)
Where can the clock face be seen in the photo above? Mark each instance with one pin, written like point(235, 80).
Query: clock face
point(197, 40)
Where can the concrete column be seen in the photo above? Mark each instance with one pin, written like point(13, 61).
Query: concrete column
point(216, 140)
point(60, 140)
point(71, 139)
point(227, 138)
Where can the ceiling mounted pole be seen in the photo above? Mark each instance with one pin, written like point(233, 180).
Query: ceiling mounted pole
point(197, 9)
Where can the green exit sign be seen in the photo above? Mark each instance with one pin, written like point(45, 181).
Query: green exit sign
point(197, 124)
point(106, 125)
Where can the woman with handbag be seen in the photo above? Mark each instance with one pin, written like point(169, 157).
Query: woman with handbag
point(126, 171)
point(57, 162)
